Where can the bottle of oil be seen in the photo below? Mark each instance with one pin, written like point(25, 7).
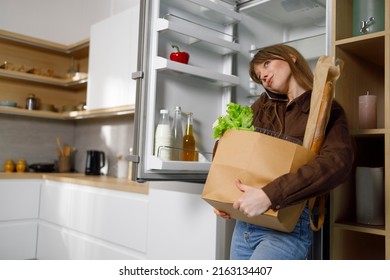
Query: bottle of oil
point(189, 140)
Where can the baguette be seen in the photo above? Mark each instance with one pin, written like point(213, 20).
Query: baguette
point(318, 139)
point(323, 117)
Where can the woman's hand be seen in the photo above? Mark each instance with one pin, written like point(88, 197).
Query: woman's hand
point(222, 214)
point(253, 202)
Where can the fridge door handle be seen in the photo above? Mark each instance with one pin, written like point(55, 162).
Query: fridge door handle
point(137, 75)
point(133, 158)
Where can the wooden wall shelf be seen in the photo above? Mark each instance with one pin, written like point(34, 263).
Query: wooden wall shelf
point(366, 68)
point(74, 115)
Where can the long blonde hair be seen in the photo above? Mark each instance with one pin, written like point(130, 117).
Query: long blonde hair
point(300, 69)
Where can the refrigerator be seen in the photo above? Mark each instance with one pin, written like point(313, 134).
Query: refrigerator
point(221, 37)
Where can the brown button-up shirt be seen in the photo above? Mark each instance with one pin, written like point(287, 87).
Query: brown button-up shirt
point(326, 170)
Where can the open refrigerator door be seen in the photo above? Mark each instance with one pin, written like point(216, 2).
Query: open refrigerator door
point(204, 30)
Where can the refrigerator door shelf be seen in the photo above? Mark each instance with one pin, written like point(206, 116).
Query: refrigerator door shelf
point(158, 164)
point(224, 80)
point(191, 34)
point(207, 9)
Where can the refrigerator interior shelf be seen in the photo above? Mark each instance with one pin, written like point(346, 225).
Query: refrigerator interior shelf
point(305, 46)
point(187, 33)
point(158, 164)
point(287, 12)
point(207, 9)
point(224, 80)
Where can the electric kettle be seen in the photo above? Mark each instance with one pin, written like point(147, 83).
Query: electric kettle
point(95, 162)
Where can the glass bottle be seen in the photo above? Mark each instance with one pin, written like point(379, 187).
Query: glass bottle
point(177, 135)
point(163, 137)
point(189, 140)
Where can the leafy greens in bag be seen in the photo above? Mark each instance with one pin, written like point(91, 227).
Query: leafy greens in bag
point(237, 117)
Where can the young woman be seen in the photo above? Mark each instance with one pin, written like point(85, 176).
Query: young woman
point(284, 108)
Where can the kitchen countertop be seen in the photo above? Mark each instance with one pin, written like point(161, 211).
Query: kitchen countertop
point(108, 182)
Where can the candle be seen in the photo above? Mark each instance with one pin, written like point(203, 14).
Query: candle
point(367, 111)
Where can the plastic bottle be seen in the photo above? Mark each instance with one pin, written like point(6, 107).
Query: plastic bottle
point(189, 140)
point(177, 135)
point(163, 137)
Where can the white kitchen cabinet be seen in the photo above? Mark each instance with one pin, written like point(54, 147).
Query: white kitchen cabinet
point(60, 243)
point(19, 209)
point(181, 225)
point(99, 220)
point(18, 240)
point(48, 219)
point(113, 57)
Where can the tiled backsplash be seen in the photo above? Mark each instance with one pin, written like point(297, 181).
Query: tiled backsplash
point(113, 136)
point(34, 139)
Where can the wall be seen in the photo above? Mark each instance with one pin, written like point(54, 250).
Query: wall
point(59, 21)
point(34, 140)
point(31, 139)
point(114, 136)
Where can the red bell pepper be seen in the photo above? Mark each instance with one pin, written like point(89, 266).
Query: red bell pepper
point(179, 56)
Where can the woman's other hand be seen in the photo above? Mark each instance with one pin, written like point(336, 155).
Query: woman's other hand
point(253, 201)
point(221, 214)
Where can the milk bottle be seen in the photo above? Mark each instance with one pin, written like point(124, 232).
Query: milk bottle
point(163, 137)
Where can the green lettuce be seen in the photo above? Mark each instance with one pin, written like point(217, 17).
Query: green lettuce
point(237, 117)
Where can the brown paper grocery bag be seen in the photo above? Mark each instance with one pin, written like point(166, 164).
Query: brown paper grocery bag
point(256, 159)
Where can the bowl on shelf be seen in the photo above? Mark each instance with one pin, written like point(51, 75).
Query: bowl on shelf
point(68, 108)
point(47, 107)
point(8, 103)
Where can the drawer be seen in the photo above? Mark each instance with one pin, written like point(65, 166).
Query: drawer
point(18, 240)
point(19, 199)
point(115, 216)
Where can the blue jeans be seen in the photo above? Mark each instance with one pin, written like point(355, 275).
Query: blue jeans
point(258, 243)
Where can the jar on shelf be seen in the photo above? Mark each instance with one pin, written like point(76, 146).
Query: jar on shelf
point(31, 102)
point(9, 166)
point(21, 166)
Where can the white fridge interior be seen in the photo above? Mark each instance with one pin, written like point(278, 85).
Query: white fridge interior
point(221, 37)
point(302, 24)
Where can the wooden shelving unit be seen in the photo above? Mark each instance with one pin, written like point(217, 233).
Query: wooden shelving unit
point(366, 68)
point(55, 81)
point(30, 65)
point(73, 115)
point(28, 52)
